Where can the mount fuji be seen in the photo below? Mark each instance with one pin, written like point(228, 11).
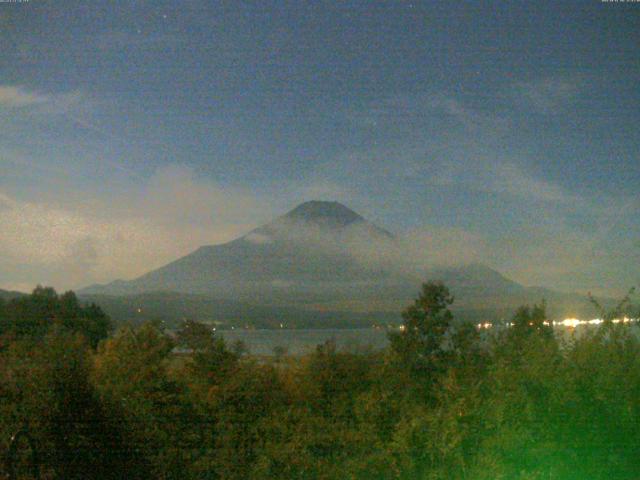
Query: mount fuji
point(319, 258)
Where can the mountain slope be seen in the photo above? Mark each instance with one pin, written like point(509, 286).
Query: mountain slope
point(320, 257)
point(308, 249)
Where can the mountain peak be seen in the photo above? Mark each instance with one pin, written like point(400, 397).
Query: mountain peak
point(323, 212)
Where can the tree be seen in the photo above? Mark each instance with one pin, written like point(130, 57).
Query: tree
point(46, 386)
point(130, 373)
point(33, 316)
point(529, 321)
point(194, 335)
point(421, 342)
point(616, 312)
point(279, 351)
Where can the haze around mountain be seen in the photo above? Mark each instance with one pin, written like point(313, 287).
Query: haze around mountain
point(323, 256)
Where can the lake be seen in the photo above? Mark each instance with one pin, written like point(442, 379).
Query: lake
point(298, 342)
point(302, 341)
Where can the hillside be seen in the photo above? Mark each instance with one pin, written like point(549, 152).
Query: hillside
point(8, 295)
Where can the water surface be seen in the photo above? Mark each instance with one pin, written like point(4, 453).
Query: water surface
point(298, 342)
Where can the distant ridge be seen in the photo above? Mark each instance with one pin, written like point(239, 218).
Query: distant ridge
point(9, 295)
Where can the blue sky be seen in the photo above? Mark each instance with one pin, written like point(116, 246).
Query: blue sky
point(502, 132)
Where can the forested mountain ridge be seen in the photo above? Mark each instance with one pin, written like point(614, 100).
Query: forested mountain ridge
point(9, 294)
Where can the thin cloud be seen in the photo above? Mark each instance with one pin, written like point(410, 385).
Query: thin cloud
point(451, 146)
point(15, 96)
point(513, 180)
point(10, 156)
point(7, 202)
point(73, 107)
point(458, 144)
point(547, 96)
point(20, 97)
point(424, 106)
point(73, 245)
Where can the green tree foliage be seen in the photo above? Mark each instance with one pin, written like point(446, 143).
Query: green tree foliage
point(194, 335)
point(421, 343)
point(131, 373)
point(46, 385)
point(531, 321)
point(445, 401)
point(34, 315)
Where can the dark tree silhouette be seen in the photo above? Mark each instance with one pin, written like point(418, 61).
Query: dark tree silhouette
point(421, 342)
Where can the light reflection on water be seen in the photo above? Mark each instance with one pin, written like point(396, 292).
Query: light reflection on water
point(298, 342)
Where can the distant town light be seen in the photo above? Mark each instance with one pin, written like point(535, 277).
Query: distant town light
point(570, 322)
point(567, 322)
